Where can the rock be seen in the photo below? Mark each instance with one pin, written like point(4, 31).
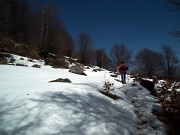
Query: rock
point(36, 66)
point(149, 85)
point(156, 107)
point(113, 75)
point(77, 69)
point(134, 84)
point(61, 80)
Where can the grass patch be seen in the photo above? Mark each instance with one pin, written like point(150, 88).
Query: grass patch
point(56, 63)
point(107, 88)
point(113, 96)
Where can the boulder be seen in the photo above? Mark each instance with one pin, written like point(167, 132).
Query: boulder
point(149, 85)
point(36, 66)
point(77, 69)
point(61, 80)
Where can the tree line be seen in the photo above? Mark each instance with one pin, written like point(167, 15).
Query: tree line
point(41, 28)
point(147, 62)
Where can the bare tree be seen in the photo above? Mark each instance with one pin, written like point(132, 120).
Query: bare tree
point(174, 5)
point(40, 28)
point(69, 46)
point(24, 14)
point(5, 18)
point(9, 17)
point(85, 47)
point(170, 60)
point(99, 57)
point(102, 60)
point(148, 62)
point(64, 45)
point(51, 32)
point(51, 26)
point(118, 53)
point(15, 19)
point(107, 63)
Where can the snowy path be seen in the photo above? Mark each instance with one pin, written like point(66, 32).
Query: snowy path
point(143, 104)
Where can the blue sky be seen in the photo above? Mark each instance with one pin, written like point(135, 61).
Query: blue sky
point(135, 23)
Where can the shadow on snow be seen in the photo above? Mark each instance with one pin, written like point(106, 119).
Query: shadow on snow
point(64, 112)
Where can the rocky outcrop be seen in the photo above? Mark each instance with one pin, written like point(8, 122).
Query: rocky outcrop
point(36, 66)
point(61, 80)
point(77, 69)
point(149, 85)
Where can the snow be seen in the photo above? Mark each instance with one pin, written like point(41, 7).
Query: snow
point(32, 105)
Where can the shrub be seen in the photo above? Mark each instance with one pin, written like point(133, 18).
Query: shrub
point(113, 96)
point(170, 111)
point(107, 88)
point(56, 63)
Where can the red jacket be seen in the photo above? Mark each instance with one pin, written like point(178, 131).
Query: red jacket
point(123, 68)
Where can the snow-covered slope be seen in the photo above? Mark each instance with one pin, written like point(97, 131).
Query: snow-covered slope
point(31, 105)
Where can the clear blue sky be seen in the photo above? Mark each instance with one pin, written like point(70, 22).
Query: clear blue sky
point(135, 23)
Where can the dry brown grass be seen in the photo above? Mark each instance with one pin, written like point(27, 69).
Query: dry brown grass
point(10, 46)
point(56, 63)
point(170, 112)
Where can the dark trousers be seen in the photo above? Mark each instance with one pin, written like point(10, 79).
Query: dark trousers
point(123, 77)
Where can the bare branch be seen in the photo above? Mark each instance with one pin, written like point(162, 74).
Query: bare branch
point(175, 5)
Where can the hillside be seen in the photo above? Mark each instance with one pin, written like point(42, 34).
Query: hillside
point(32, 102)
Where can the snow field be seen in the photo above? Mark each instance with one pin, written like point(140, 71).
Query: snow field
point(30, 104)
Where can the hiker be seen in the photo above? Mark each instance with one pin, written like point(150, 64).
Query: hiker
point(122, 70)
